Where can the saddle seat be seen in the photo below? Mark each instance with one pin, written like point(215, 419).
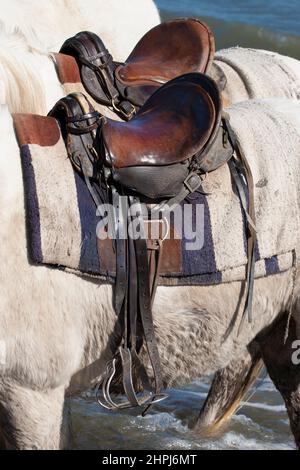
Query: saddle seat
point(174, 124)
point(167, 51)
point(177, 132)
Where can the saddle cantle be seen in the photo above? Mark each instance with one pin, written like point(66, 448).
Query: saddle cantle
point(168, 50)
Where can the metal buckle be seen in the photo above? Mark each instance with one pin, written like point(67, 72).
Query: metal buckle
point(162, 221)
point(189, 179)
point(119, 110)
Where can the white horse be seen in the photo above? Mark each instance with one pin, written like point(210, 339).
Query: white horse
point(119, 23)
point(57, 329)
point(38, 89)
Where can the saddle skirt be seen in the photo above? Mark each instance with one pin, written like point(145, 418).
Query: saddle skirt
point(62, 219)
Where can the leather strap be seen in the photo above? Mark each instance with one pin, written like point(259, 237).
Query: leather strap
point(75, 123)
point(241, 192)
point(121, 251)
point(132, 293)
point(94, 56)
point(145, 307)
point(158, 261)
point(250, 214)
point(190, 185)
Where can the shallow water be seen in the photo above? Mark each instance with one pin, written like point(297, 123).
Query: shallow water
point(262, 422)
point(272, 25)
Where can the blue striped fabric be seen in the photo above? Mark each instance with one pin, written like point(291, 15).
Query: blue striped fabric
point(272, 266)
point(198, 266)
point(32, 207)
point(89, 260)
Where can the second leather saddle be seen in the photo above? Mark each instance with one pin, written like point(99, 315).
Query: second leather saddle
point(167, 51)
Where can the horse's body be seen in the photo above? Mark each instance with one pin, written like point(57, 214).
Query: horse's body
point(120, 24)
point(256, 74)
point(28, 80)
point(57, 329)
point(29, 83)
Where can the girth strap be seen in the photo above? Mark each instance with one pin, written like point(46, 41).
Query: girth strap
point(145, 305)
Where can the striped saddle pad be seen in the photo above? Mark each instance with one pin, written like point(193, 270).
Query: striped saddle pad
point(207, 247)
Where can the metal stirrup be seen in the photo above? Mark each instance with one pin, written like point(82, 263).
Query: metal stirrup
point(106, 400)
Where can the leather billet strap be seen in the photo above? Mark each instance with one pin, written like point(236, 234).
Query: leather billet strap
point(249, 213)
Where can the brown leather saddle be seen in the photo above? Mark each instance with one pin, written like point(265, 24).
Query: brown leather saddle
point(177, 134)
point(159, 156)
point(168, 50)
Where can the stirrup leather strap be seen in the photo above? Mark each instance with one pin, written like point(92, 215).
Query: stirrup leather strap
point(134, 302)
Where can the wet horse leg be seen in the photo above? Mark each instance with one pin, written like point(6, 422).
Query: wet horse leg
point(283, 364)
point(31, 419)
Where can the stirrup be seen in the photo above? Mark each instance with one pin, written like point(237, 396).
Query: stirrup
point(105, 400)
point(149, 397)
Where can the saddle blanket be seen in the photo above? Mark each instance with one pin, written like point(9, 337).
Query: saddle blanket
point(255, 74)
point(62, 219)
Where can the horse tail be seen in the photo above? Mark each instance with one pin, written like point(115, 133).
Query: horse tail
point(229, 387)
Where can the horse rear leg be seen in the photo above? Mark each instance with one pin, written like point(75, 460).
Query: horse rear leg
point(283, 364)
point(229, 386)
point(32, 419)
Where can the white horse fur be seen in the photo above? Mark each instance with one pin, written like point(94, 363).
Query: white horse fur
point(57, 328)
point(28, 80)
point(119, 23)
point(38, 367)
